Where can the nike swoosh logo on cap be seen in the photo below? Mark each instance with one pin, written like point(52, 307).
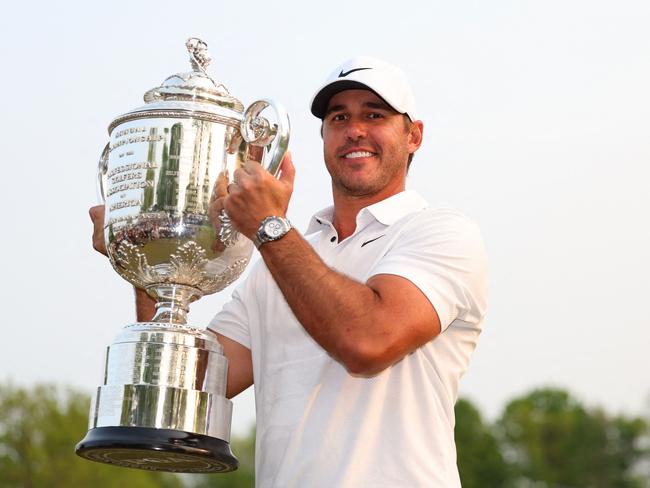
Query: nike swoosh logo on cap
point(343, 74)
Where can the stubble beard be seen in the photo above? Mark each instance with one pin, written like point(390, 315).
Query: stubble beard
point(355, 186)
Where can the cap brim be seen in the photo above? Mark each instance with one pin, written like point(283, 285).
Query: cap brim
point(322, 98)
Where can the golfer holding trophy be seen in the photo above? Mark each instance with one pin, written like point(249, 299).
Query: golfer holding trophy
point(162, 404)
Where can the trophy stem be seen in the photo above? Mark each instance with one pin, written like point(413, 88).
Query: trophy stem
point(172, 302)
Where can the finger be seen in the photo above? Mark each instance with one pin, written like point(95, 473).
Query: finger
point(287, 169)
point(240, 177)
point(96, 213)
point(214, 208)
point(221, 185)
point(252, 167)
point(97, 217)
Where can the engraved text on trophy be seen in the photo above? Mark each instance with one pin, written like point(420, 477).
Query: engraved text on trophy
point(159, 181)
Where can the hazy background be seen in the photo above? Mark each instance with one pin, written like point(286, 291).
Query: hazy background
point(536, 114)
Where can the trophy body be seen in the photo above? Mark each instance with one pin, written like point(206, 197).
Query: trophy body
point(162, 404)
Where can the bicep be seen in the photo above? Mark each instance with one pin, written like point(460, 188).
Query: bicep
point(410, 320)
point(444, 257)
point(240, 365)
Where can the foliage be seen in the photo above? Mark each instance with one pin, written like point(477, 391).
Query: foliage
point(480, 462)
point(38, 431)
point(544, 439)
point(552, 440)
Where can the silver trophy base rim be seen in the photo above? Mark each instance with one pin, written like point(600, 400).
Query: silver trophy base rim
point(157, 449)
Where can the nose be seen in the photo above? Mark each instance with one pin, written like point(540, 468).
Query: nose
point(355, 130)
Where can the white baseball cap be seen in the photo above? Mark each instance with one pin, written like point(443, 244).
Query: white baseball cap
point(387, 81)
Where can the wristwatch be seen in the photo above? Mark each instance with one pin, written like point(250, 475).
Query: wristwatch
point(271, 229)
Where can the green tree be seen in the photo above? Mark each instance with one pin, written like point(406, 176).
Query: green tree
point(551, 439)
point(480, 462)
point(244, 477)
point(39, 428)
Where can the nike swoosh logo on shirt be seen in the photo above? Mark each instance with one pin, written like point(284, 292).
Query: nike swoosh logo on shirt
point(343, 74)
point(372, 240)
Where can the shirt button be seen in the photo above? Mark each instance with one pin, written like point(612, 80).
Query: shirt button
point(333, 239)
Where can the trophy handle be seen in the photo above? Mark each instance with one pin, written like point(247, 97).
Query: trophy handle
point(258, 131)
point(102, 169)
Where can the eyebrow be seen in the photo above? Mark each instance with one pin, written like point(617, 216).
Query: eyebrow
point(380, 106)
point(333, 108)
point(375, 105)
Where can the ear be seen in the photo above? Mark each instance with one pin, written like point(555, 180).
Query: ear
point(416, 130)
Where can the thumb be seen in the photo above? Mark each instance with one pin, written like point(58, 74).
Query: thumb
point(287, 169)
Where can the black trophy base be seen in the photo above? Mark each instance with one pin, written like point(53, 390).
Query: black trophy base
point(157, 450)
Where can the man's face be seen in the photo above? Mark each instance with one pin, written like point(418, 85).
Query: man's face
point(366, 144)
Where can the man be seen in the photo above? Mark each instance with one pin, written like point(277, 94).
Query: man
point(355, 339)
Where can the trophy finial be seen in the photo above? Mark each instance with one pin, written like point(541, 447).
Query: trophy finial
point(199, 56)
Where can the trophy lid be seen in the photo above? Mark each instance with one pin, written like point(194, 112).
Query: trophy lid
point(193, 91)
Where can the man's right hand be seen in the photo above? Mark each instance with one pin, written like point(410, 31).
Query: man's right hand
point(97, 216)
point(144, 304)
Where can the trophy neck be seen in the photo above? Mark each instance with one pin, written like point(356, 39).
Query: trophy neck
point(172, 302)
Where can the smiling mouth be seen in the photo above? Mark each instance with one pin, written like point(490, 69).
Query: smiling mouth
point(358, 154)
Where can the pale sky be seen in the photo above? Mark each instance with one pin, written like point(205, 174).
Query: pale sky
point(537, 123)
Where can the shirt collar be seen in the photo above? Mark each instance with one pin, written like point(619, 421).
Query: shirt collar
point(387, 211)
point(319, 219)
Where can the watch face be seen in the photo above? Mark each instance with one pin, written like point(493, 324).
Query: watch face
point(273, 228)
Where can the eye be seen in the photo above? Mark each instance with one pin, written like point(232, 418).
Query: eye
point(375, 115)
point(338, 117)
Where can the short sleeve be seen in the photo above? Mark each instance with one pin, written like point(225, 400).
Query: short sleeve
point(234, 320)
point(442, 253)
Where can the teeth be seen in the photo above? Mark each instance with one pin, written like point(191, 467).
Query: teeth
point(358, 154)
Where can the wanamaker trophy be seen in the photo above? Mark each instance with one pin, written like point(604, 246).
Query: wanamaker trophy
point(162, 403)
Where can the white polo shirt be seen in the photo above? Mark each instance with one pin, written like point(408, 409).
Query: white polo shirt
point(319, 426)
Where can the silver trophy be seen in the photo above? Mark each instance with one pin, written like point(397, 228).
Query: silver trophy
point(162, 403)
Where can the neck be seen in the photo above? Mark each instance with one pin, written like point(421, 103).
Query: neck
point(347, 207)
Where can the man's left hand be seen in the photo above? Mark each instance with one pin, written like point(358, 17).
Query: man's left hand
point(255, 194)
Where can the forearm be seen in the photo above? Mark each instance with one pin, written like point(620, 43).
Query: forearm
point(366, 326)
point(343, 315)
point(145, 306)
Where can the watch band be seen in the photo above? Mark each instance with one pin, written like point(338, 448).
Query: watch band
point(272, 228)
